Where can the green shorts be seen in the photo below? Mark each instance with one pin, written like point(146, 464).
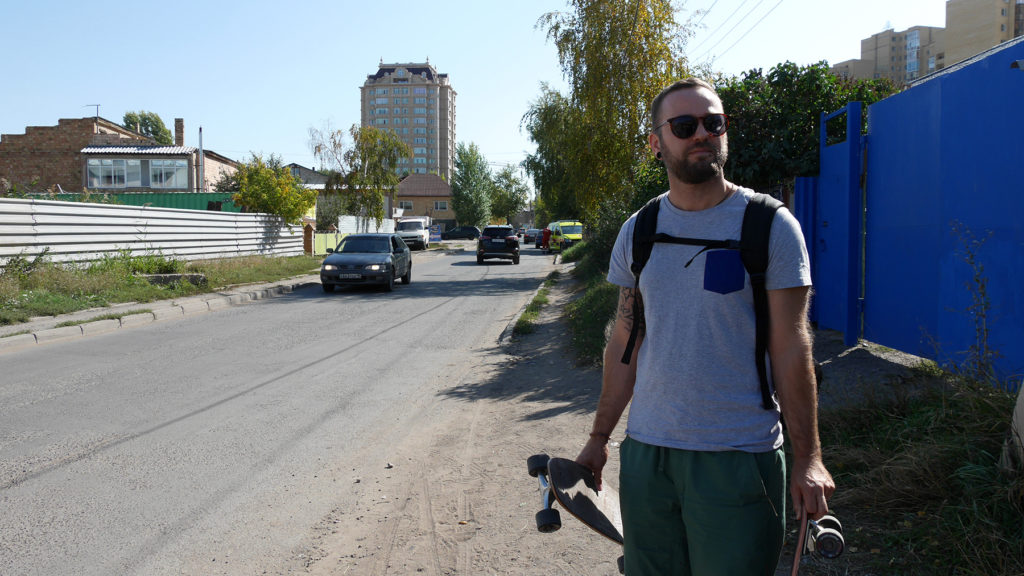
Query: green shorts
point(701, 513)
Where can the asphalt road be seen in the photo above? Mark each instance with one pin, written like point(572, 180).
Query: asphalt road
point(215, 442)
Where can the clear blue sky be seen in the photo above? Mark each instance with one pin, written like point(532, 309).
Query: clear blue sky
point(256, 75)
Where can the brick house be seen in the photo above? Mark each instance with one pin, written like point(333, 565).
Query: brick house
point(426, 195)
point(98, 155)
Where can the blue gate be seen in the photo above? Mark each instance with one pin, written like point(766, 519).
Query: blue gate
point(943, 246)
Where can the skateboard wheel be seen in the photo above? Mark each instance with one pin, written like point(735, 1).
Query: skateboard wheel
point(830, 522)
point(548, 520)
point(537, 463)
point(829, 543)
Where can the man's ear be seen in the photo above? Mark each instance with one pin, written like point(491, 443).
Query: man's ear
point(655, 143)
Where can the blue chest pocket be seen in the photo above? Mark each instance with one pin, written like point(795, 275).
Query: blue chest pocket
point(723, 271)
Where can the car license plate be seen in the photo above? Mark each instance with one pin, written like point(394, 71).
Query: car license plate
point(349, 276)
point(497, 242)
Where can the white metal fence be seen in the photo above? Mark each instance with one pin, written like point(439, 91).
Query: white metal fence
point(78, 231)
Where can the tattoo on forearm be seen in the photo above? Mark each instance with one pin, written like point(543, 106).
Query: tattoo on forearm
point(626, 313)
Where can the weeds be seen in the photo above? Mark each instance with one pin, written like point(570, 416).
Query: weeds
point(526, 323)
point(36, 287)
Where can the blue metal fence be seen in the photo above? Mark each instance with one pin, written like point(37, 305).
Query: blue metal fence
point(943, 181)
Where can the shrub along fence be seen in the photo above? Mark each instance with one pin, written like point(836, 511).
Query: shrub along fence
point(75, 232)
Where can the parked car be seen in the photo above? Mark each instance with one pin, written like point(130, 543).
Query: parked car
point(530, 235)
point(469, 232)
point(497, 242)
point(565, 233)
point(363, 259)
point(415, 231)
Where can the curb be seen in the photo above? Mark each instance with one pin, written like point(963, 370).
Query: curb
point(170, 310)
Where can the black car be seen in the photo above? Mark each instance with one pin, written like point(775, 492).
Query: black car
point(465, 232)
point(367, 259)
point(497, 242)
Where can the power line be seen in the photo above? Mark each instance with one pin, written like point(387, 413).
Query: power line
point(740, 21)
point(705, 13)
point(750, 29)
point(720, 26)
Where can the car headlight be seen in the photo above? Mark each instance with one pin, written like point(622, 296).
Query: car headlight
point(328, 267)
point(376, 267)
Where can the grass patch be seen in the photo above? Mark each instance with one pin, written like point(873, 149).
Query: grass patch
point(918, 476)
point(527, 321)
point(588, 318)
point(575, 252)
point(37, 287)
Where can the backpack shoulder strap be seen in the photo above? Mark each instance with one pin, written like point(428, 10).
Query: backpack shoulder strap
point(754, 241)
point(644, 229)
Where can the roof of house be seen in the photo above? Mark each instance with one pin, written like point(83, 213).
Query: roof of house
point(149, 150)
point(424, 185)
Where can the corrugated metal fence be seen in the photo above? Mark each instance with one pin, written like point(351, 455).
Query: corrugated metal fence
point(76, 231)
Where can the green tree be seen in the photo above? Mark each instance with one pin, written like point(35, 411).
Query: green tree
point(361, 175)
point(471, 186)
point(775, 118)
point(549, 123)
point(148, 124)
point(508, 195)
point(616, 56)
point(268, 187)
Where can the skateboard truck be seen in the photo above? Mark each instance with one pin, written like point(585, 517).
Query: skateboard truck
point(572, 486)
point(823, 537)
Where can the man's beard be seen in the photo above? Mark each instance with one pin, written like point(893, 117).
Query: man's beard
point(699, 171)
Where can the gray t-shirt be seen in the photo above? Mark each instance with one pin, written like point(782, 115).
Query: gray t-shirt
point(697, 386)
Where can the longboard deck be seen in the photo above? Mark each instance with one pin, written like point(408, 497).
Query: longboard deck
point(574, 488)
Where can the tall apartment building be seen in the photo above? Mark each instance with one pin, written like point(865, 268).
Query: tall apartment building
point(899, 56)
point(418, 104)
point(972, 26)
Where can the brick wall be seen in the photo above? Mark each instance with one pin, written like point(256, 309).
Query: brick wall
point(51, 155)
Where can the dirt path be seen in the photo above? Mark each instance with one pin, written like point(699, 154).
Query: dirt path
point(454, 496)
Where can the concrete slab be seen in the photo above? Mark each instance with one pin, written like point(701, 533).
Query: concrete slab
point(140, 319)
point(101, 326)
point(169, 313)
point(17, 342)
point(219, 303)
point(62, 333)
point(193, 307)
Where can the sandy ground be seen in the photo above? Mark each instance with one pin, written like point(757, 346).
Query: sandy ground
point(455, 498)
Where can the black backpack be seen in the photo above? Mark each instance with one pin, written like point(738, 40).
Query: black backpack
point(753, 248)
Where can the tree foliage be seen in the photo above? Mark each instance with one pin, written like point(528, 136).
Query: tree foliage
point(775, 119)
point(148, 124)
point(268, 187)
point(509, 194)
point(549, 123)
point(617, 55)
point(361, 175)
point(471, 186)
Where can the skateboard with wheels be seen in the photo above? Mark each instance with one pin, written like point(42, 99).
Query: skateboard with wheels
point(823, 537)
point(572, 487)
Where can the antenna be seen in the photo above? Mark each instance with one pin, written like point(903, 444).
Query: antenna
point(97, 109)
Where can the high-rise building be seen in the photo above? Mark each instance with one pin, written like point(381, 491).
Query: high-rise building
point(899, 56)
point(418, 104)
point(972, 26)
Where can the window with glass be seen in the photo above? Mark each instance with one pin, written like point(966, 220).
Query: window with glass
point(405, 204)
point(440, 204)
point(169, 174)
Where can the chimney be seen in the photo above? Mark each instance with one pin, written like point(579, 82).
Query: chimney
point(179, 131)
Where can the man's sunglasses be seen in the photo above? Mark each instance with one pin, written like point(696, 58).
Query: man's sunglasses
point(686, 126)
